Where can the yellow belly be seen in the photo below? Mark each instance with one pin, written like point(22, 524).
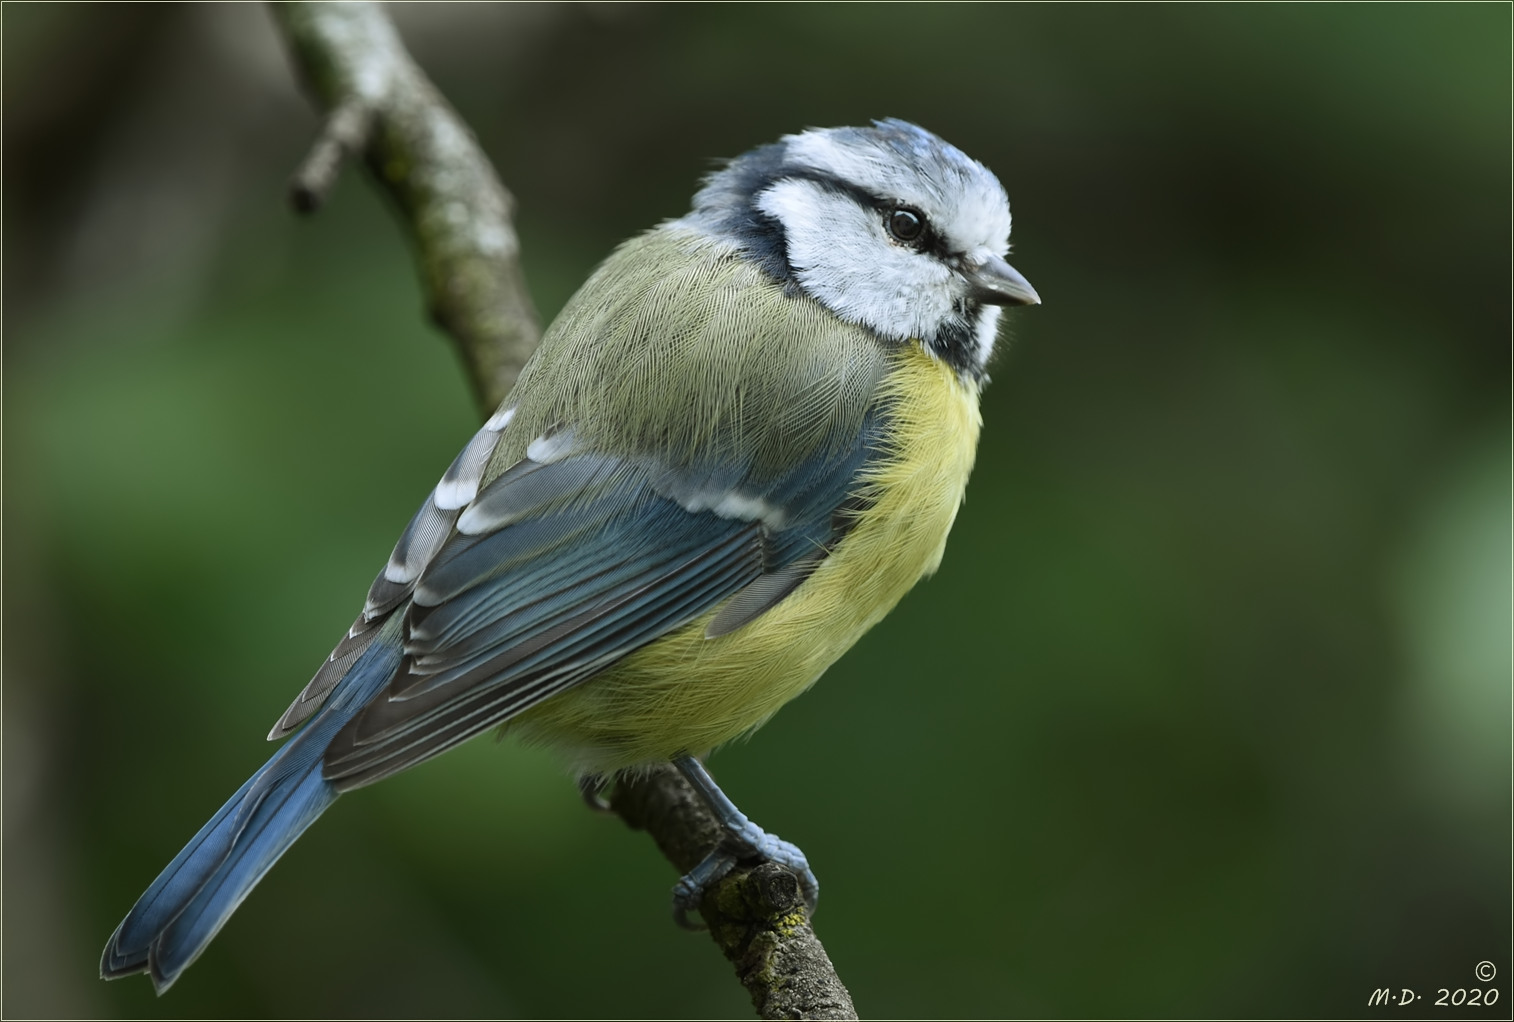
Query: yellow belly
point(689, 693)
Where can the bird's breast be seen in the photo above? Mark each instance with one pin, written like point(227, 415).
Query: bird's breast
point(689, 693)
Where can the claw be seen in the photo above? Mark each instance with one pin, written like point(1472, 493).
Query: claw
point(591, 788)
point(689, 891)
point(744, 842)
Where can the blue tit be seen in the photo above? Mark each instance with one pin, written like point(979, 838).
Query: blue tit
point(739, 445)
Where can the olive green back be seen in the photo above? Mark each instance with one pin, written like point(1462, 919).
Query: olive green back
point(679, 348)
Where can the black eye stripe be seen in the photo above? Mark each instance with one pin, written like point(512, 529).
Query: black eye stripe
point(929, 241)
point(834, 184)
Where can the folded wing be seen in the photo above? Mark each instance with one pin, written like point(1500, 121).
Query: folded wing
point(558, 568)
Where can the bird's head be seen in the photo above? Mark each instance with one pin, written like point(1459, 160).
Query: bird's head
point(888, 226)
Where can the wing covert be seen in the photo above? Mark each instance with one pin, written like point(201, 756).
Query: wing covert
point(557, 569)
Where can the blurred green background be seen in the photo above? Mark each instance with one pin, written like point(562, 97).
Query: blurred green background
point(1207, 712)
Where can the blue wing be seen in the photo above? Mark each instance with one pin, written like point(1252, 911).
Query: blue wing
point(560, 567)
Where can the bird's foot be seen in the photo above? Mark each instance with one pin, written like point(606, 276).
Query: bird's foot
point(744, 842)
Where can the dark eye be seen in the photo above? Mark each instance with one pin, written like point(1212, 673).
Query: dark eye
point(905, 225)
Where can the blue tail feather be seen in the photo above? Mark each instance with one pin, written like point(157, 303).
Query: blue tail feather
point(193, 897)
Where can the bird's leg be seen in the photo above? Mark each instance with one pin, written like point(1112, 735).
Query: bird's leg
point(744, 841)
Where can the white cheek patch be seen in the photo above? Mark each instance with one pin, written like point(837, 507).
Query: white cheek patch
point(839, 253)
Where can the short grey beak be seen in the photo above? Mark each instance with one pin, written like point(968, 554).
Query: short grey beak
point(995, 282)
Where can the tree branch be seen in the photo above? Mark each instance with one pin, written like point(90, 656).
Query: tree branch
point(756, 915)
point(381, 106)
